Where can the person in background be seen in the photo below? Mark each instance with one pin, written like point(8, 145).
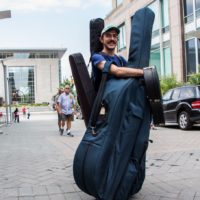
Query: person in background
point(67, 109)
point(28, 113)
point(24, 110)
point(16, 115)
point(152, 126)
point(60, 91)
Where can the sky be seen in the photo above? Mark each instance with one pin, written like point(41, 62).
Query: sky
point(51, 24)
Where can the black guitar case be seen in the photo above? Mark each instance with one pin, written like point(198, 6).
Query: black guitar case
point(110, 160)
point(85, 89)
point(154, 94)
point(96, 26)
point(84, 86)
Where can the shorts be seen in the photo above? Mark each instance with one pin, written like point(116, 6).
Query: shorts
point(69, 117)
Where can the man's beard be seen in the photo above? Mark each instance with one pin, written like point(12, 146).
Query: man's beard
point(109, 48)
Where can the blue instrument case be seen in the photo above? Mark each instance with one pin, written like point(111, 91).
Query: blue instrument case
point(109, 163)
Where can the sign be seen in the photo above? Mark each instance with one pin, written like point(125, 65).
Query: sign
point(5, 14)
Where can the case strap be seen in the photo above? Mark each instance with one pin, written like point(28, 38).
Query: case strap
point(97, 103)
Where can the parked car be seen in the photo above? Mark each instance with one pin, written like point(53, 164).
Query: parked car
point(181, 105)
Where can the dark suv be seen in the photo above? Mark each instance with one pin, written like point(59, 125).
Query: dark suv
point(182, 105)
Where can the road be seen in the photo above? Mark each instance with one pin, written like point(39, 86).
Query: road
point(36, 162)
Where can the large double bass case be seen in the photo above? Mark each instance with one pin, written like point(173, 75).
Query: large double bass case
point(109, 163)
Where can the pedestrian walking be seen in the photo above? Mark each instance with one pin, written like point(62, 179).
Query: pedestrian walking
point(60, 91)
point(28, 113)
point(16, 115)
point(24, 110)
point(67, 109)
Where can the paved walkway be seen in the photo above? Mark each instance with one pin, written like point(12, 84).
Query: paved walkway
point(36, 163)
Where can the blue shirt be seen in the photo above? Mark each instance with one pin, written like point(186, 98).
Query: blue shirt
point(99, 57)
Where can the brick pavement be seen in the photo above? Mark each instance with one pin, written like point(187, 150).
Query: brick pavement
point(36, 163)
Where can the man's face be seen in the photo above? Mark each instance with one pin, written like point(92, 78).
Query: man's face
point(67, 90)
point(109, 40)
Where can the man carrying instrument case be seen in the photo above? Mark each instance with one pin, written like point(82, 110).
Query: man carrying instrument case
point(109, 163)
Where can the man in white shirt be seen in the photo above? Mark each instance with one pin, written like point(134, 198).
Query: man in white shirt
point(67, 108)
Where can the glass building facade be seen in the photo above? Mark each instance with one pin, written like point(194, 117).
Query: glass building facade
point(33, 75)
point(21, 83)
point(192, 43)
point(160, 50)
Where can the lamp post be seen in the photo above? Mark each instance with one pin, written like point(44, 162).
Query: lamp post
point(3, 15)
point(7, 91)
point(10, 98)
point(5, 88)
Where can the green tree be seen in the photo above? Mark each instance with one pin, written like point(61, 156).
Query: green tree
point(70, 82)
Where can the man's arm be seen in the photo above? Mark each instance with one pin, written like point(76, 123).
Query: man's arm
point(59, 109)
point(74, 109)
point(122, 71)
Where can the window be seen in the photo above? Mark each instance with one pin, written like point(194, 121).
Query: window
point(155, 8)
point(167, 95)
point(43, 55)
point(187, 92)
point(188, 10)
point(122, 38)
point(198, 45)
point(190, 56)
point(197, 4)
point(165, 15)
point(118, 2)
point(197, 8)
point(175, 94)
point(21, 55)
point(155, 59)
point(5, 55)
point(21, 80)
point(2, 56)
point(167, 61)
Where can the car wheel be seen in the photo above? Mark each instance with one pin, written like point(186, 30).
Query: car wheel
point(184, 120)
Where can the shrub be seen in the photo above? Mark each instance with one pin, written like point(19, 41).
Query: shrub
point(169, 82)
point(194, 79)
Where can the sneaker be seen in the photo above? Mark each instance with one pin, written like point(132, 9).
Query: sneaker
point(61, 131)
point(69, 134)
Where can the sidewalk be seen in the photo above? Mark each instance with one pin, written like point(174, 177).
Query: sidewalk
point(36, 162)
